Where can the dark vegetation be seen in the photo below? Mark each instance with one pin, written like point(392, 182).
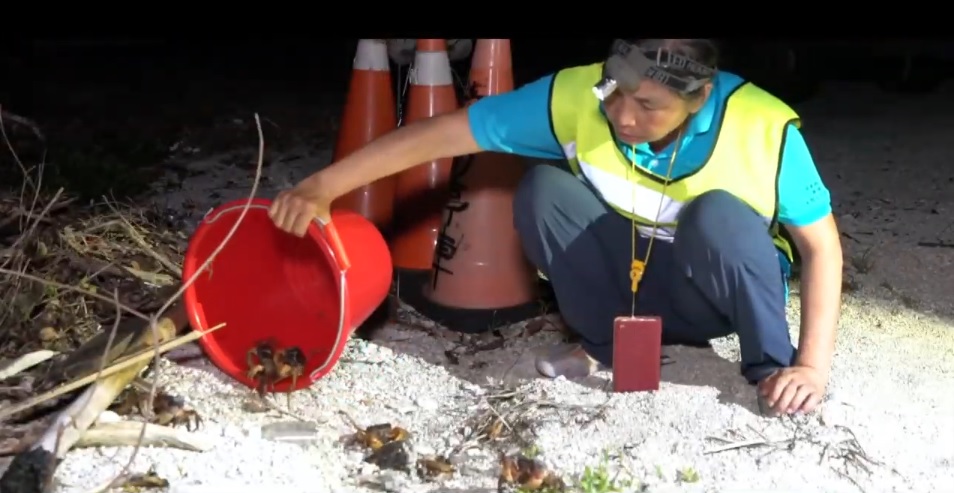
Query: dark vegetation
point(114, 112)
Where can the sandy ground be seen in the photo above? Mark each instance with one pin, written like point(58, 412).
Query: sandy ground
point(886, 162)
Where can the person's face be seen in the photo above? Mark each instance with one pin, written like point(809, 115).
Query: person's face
point(651, 112)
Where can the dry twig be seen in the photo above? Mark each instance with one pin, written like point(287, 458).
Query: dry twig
point(120, 365)
point(846, 448)
point(138, 238)
point(506, 420)
point(104, 372)
point(126, 434)
point(188, 282)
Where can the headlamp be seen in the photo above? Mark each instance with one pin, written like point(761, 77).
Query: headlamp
point(604, 88)
point(627, 66)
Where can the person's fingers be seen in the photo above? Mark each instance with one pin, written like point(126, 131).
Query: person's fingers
point(279, 210)
point(273, 209)
point(297, 210)
point(811, 403)
point(788, 392)
point(767, 384)
point(778, 386)
point(302, 221)
point(292, 213)
point(291, 221)
point(280, 214)
point(800, 398)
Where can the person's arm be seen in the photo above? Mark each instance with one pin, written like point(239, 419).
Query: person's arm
point(442, 136)
point(515, 122)
point(805, 210)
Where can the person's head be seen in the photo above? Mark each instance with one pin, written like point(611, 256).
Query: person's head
point(651, 111)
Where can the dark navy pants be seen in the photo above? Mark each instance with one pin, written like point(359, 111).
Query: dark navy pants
point(721, 274)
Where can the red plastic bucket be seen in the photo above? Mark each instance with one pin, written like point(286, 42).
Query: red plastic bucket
point(267, 285)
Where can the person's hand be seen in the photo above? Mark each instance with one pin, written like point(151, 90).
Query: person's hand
point(798, 389)
point(293, 210)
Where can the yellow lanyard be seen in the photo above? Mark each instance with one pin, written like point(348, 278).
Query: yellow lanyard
point(638, 267)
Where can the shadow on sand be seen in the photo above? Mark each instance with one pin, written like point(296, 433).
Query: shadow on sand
point(690, 366)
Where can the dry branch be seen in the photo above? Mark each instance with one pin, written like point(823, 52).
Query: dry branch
point(25, 362)
point(115, 368)
point(138, 238)
point(188, 282)
point(31, 471)
point(126, 434)
point(73, 421)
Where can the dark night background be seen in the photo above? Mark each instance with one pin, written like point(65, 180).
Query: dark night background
point(111, 108)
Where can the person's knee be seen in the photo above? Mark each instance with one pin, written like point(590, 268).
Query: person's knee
point(713, 207)
point(537, 193)
point(552, 208)
point(721, 221)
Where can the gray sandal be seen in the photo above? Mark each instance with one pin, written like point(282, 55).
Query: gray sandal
point(568, 361)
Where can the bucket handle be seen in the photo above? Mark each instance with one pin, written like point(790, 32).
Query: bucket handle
point(334, 241)
point(344, 263)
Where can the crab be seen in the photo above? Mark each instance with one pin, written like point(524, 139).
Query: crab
point(527, 474)
point(289, 363)
point(167, 409)
point(432, 467)
point(264, 371)
point(388, 444)
point(172, 410)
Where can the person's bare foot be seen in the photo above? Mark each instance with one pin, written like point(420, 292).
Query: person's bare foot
point(568, 360)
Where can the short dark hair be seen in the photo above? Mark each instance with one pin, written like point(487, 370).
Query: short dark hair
point(704, 51)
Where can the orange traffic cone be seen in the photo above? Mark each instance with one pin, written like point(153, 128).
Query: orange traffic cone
point(480, 278)
point(369, 112)
point(421, 192)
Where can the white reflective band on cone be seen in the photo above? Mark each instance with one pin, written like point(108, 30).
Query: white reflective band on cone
point(431, 68)
point(372, 54)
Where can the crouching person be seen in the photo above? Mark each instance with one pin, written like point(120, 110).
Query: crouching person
point(653, 146)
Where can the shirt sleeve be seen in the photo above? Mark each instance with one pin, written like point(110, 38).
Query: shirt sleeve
point(802, 196)
point(516, 122)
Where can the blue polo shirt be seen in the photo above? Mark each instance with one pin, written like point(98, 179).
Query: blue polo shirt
point(518, 122)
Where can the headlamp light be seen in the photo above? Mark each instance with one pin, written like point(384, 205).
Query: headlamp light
point(627, 67)
point(604, 88)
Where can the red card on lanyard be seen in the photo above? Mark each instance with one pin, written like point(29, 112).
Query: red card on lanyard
point(637, 350)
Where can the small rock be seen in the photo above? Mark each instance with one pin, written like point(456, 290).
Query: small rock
point(427, 404)
point(422, 449)
point(48, 334)
point(834, 413)
point(253, 431)
point(472, 388)
point(232, 431)
point(108, 417)
point(395, 482)
point(475, 452)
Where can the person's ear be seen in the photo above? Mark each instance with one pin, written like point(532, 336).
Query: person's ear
point(698, 102)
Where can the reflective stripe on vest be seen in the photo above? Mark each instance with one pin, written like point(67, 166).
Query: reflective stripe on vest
point(745, 160)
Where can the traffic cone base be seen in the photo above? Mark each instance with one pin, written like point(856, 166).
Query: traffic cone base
point(412, 289)
point(369, 113)
point(421, 191)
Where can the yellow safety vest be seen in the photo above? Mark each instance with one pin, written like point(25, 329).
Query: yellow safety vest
point(745, 161)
